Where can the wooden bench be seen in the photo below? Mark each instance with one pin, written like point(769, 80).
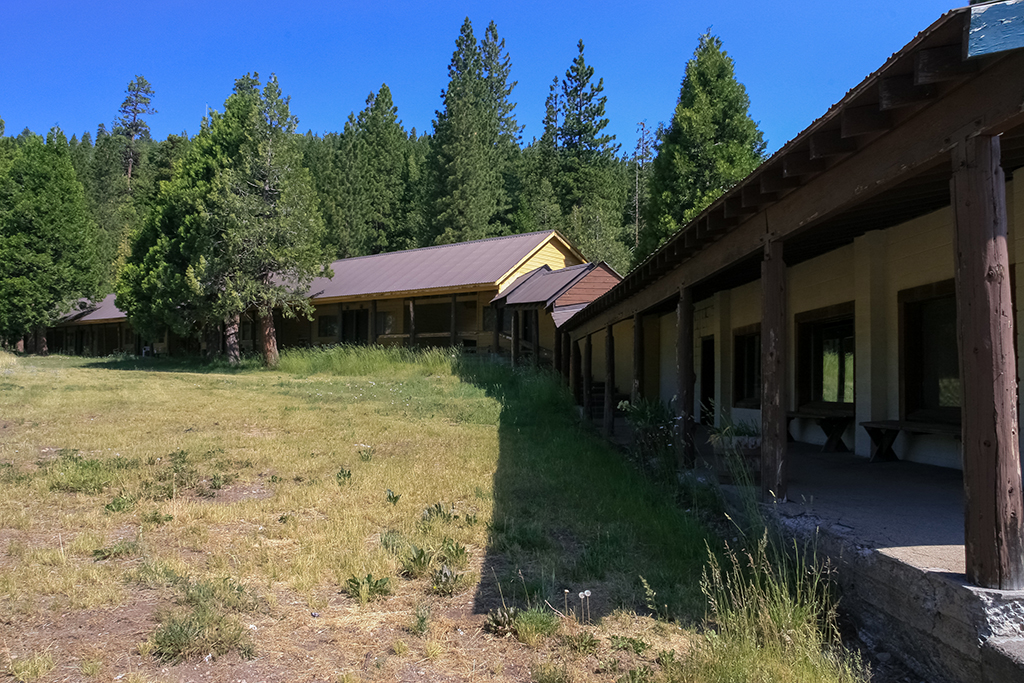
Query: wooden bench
point(883, 434)
point(833, 420)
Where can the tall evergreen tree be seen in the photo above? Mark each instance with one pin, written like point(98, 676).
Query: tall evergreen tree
point(580, 160)
point(47, 260)
point(381, 155)
point(237, 227)
point(130, 123)
point(475, 136)
point(711, 144)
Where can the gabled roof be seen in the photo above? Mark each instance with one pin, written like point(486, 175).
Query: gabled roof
point(466, 265)
point(90, 312)
point(562, 314)
point(542, 285)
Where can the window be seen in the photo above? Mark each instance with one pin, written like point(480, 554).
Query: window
point(385, 323)
point(825, 355)
point(929, 358)
point(747, 367)
point(327, 326)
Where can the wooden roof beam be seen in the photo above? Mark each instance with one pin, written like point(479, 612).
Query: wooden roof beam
point(864, 120)
point(800, 163)
point(830, 143)
point(901, 91)
point(734, 208)
point(752, 196)
point(941, 64)
point(773, 180)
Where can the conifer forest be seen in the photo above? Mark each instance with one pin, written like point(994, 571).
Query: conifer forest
point(194, 229)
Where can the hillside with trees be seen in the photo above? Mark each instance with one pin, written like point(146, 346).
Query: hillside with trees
point(191, 230)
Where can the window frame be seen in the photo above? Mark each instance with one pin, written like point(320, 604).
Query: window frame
point(910, 352)
point(741, 338)
point(808, 325)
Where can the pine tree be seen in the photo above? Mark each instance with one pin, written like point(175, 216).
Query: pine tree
point(580, 164)
point(475, 138)
point(381, 156)
point(711, 144)
point(130, 124)
point(47, 260)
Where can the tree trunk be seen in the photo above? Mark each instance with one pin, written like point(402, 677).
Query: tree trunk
point(231, 338)
point(42, 348)
point(268, 338)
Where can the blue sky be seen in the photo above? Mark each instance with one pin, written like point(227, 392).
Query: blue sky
point(67, 63)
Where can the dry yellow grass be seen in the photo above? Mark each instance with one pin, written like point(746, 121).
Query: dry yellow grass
point(124, 488)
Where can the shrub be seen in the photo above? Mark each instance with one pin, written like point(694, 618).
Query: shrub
point(417, 563)
point(364, 589)
point(200, 632)
point(533, 624)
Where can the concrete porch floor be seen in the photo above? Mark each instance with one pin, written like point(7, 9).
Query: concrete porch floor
point(910, 512)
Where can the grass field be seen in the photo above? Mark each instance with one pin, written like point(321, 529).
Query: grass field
point(358, 514)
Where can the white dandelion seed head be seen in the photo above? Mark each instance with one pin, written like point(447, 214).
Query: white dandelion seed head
point(581, 595)
point(586, 593)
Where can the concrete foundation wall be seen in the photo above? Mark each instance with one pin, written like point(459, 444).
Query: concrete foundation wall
point(943, 629)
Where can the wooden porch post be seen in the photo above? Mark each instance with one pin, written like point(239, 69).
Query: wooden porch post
point(454, 339)
point(412, 322)
point(609, 381)
point(498, 324)
point(516, 333)
point(588, 379)
point(574, 368)
point(638, 358)
point(773, 373)
point(341, 324)
point(535, 336)
point(567, 357)
point(558, 353)
point(992, 478)
point(372, 332)
point(684, 366)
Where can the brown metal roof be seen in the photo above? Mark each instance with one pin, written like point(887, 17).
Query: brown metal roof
point(90, 312)
point(539, 287)
point(467, 264)
point(561, 314)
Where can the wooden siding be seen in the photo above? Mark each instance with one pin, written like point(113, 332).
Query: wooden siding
point(593, 285)
point(554, 254)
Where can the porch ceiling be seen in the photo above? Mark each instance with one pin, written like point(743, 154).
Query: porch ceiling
point(877, 158)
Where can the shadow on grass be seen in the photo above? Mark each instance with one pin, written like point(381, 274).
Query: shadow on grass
point(571, 514)
point(190, 364)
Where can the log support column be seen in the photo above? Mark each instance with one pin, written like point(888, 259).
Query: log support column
point(638, 359)
point(454, 338)
point(773, 374)
point(609, 381)
point(535, 336)
point(567, 347)
point(341, 323)
point(372, 327)
point(517, 326)
point(574, 369)
point(684, 366)
point(498, 324)
point(992, 474)
point(412, 322)
point(588, 378)
point(558, 353)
